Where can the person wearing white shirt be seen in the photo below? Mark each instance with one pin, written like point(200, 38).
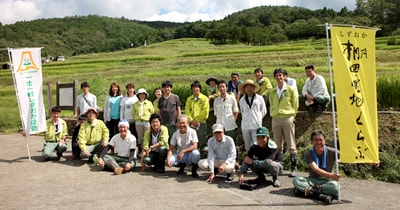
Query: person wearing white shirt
point(85, 100)
point(125, 143)
point(127, 107)
point(290, 81)
point(226, 110)
point(185, 141)
point(221, 155)
point(253, 110)
point(314, 93)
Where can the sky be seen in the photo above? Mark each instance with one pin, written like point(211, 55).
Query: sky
point(148, 10)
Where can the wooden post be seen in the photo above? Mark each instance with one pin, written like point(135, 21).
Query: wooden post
point(75, 95)
point(49, 98)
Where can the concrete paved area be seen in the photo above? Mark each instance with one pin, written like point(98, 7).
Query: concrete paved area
point(77, 185)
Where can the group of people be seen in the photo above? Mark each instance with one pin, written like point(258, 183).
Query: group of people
point(159, 134)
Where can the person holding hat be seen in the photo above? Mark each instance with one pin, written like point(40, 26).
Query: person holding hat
point(183, 147)
point(93, 135)
point(197, 109)
point(212, 90)
point(155, 145)
point(169, 107)
point(260, 159)
point(76, 151)
point(253, 109)
point(284, 105)
point(56, 132)
point(85, 100)
point(322, 182)
point(125, 142)
point(221, 155)
point(142, 111)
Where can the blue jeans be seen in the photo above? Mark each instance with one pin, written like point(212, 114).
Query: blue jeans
point(188, 158)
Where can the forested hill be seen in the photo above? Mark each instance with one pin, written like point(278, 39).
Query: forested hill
point(76, 35)
point(257, 26)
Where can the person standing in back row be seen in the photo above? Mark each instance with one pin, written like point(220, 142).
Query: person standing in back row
point(85, 100)
point(197, 109)
point(127, 107)
point(233, 85)
point(253, 109)
point(284, 105)
point(111, 109)
point(142, 111)
point(169, 108)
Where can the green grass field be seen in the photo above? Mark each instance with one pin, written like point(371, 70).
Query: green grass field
point(184, 60)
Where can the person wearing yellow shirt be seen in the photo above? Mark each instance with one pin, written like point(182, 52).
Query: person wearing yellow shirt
point(93, 135)
point(264, 84)
point(197, 109)
point(56, 132)
point(142, 111)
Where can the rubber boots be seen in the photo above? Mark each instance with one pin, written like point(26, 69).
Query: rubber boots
point(194, 170)
point(293, 159)
point(181, 168)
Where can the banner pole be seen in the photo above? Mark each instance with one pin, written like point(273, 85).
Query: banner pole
point(26, 134)
point(330, 60)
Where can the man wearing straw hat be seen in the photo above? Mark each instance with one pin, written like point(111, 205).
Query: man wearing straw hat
point(93, 135)
point(253, 109)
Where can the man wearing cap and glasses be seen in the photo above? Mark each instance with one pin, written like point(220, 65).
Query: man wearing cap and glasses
point(253, 109)
point(93, 135)
point(221, 155)
point(125, 143)
point(260, 160)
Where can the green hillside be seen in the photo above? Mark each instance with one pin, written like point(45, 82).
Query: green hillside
point(185, 60)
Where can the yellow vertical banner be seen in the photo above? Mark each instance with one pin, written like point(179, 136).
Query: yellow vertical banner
point(354, 67)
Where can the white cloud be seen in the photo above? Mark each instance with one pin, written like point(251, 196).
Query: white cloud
point(166, 10)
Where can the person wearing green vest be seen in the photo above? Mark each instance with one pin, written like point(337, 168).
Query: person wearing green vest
point(155, 145)
point(284, 104)
point(56, 132)
point(93, 135)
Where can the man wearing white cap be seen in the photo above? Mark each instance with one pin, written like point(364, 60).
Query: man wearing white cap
point(125, 142)
point(253, 109)
point(221, 154)
point(93, 135)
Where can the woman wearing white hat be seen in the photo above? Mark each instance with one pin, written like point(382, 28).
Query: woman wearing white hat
point(142, 111)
